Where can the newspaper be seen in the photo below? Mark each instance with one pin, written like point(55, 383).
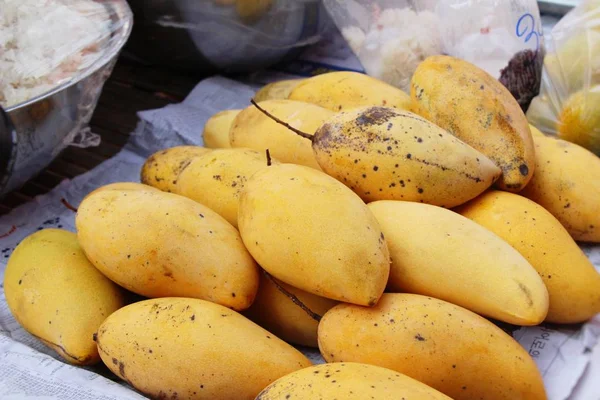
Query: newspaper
point(567, 356)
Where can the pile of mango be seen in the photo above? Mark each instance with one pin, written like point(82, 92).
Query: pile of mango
point(396, 233)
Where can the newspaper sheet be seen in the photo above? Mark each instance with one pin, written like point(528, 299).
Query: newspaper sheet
point(567, 356)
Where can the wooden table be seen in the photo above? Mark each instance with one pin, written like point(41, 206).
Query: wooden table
point(131, 88)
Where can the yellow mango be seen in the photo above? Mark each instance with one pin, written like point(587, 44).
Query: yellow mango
point(387, 154)
point(180, 348)
point(437, 252)
point(343, 90)
point(535, 131)
point(160, 244)
point(475, 107)
point(437, 343)
point(572, 280)
point(57, 295)
point(275, 311)
point(162, 168)
point(217, 178)
point(216, 129)
point(254, 130)
point(310, 231)
point(278, 90)
point(567, 183)
point(353, 381)
point(579, 119)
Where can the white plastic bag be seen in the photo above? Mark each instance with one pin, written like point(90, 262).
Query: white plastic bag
point(569, 102)
point(392, 37)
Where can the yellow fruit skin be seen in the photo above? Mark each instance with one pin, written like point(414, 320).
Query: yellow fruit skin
point(437, 343)
point(57, 295)
point(217, 178)
point(276, 90)
point(159, 244)
point(216, 129)
point(572, 280)
point(579, 120)
point(350, 381)
point(277, 313)
point(179, 348)
point(387, 154)
point(437, 252)
point(343, 90)
point(254, 130)
point(535, 131)
point(162, 168)
point(310, 231)
point(567, 183)
point(479, 110)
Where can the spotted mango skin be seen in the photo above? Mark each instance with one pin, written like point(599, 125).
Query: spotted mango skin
point(476, 108)
point(383, 153)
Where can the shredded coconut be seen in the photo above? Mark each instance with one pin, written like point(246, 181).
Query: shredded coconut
point(397, 41)
point(44, 43)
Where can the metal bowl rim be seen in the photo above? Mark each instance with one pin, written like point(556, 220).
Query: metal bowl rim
point(125, 15)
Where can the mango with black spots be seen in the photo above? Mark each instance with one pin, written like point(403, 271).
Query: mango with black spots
point(386, 154)
point(58, 296)
point(161, 170)
point(217, 178)
point(349, 381)
point(309, 230)
point(475, 107)
point(159, 244)
point(444, 346)
point(182, 348)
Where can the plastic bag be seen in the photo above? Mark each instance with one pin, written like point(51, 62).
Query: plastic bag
point(225, 36)
point(44, 44)
point(569, 102)
point(391, 37)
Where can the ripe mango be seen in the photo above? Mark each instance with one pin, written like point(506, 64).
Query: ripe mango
point(162, 168)
point(343, 90)
point(437, 343)
point(278, 90)
point(159, 244)
point(275, 311)
point(387, 154)
point(475, 107)
point(254, 130)
point(216, 179)
point(572, 280)
point(353, 381)
point(437, 252)
point(567, 183)
point(310, 231)
point(57, 295)
point(579, 119)
point(180, 348)
point(216, 129)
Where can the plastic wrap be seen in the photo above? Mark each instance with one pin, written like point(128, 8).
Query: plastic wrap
point(391, 37)
point(226, 36)
point(569, 102)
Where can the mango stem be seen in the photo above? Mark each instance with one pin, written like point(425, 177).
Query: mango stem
point(293, 298)
point(274, 118)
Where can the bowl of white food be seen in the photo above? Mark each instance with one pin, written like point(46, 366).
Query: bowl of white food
point(55, 56)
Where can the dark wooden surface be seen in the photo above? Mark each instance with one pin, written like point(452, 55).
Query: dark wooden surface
point(131, 88)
